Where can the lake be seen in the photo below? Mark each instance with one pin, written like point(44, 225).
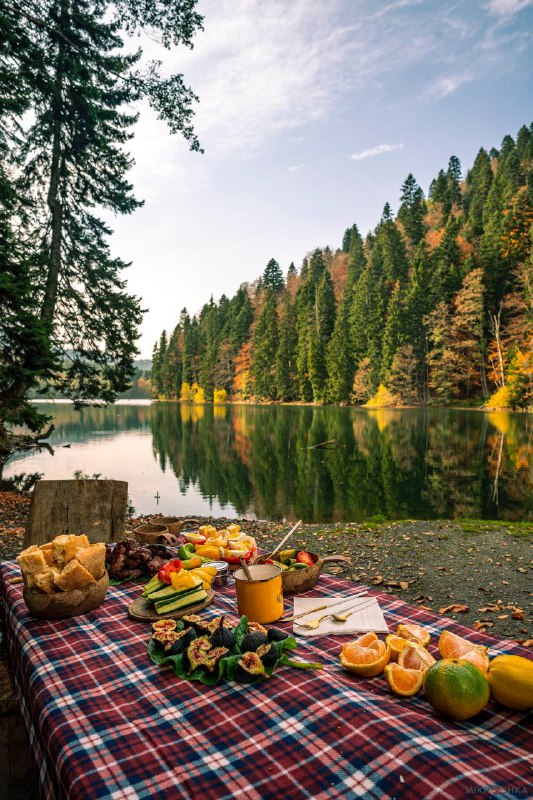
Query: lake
point(262, 461)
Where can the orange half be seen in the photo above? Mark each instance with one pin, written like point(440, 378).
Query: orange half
point(396, 644)
point(366, 639)
point(414, 656)
point(415, 633)
point(402, 681)
point(453, 646)
point(365, 661)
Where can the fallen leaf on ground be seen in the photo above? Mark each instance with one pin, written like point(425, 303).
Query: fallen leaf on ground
point(455, 608)
point(479, 625)
point(518, 615)
point(404, 585)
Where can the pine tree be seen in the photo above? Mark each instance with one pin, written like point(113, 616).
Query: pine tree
point(72, 160)
point(286, 356)
point(412, 210)
point(323, 320)
point(478, 183)
point(171, 371)
point(393, 335)
point(339, 358)
point(453, 176)
point(356, 256)
point(467, 335)
point(264, 348)
point(272, 277)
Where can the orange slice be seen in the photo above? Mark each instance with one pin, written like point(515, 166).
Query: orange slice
point(477, 657)
point(414, 656)
point(365, 661)
point(415, 633)
point(396, 644)
point(366, 639)
point(402, 681)
point(453, 646)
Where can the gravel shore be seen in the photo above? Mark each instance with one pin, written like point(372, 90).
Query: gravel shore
point(483, 568)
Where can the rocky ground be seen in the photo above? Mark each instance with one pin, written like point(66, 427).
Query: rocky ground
point(476, 572)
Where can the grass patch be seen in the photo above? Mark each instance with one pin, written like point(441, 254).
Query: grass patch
point(482, 525)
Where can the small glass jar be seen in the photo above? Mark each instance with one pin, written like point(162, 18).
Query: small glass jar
point(222, 576)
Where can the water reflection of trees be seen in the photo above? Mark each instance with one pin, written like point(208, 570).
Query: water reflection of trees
point(409, 463)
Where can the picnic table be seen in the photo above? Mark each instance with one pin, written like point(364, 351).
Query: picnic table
point(105, 722)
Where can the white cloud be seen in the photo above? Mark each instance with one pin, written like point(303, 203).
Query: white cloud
point(262, 68)
point(296, 167)
point(447, 85)
point(378, 150)
point(507, 8)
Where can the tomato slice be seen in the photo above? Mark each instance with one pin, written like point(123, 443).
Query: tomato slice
point(305, 558)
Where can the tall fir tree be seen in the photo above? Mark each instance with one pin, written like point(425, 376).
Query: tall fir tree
point(71, 160)
point(412, 210)
point(339, 354)
point(272, 277)
point(264, 348)
point(323, 320)
point(286, 355)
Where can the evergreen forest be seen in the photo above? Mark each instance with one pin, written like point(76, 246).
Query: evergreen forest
point(435, 305)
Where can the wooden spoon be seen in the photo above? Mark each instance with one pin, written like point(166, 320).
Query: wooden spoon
point(246, 571)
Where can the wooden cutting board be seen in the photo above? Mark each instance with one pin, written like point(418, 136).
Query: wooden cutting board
point(143, 611)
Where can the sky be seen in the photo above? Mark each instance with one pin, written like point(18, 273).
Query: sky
point(311, 114)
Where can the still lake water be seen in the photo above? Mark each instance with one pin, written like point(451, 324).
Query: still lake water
point(259, 460)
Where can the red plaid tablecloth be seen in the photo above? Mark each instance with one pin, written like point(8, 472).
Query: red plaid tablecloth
point(104, 722)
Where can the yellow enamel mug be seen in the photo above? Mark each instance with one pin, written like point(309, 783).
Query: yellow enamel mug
point(261, 599)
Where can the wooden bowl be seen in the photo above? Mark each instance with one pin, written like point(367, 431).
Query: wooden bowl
point(64, 605)
point(299, 581)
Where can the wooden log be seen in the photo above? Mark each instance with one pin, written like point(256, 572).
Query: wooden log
point(94, 507)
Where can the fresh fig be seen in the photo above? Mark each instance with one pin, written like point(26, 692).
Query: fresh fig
point(252, 641)
point(212, 657)
point(181, 640)
point(163, 638)
point(199, 625)
point(275, 635)
point(250, 669)
point(268, 654)
point(217, 622)
point(193, 656)
point(256, 626)
point(164, 625)
point(223, 637)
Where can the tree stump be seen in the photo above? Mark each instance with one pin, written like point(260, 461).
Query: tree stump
point(94, 507)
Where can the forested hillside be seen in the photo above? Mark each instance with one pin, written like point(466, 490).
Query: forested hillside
point(434, 305)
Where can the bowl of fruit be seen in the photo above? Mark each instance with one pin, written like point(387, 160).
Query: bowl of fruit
point(300, 568)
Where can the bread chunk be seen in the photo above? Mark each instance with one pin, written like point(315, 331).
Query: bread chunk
point(45, 580)
point(64, 548)
point(32, 560)
point(73, 576)
point(48, 553)
point(93, 559)
point(82, 540)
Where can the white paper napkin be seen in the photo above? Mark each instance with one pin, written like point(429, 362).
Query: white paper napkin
point(370, 618)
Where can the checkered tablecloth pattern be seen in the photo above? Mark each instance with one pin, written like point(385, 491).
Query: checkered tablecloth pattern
point(105, 722)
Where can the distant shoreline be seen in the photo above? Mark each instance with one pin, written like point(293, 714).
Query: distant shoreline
point(129, 401)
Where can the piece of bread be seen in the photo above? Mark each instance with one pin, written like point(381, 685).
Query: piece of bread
point(32, 560)
point(73, 576)
point(45, 580)
point(93, 559)
point(64, 548)
point(48, 552)
point(29, 580)
point(82, 540)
